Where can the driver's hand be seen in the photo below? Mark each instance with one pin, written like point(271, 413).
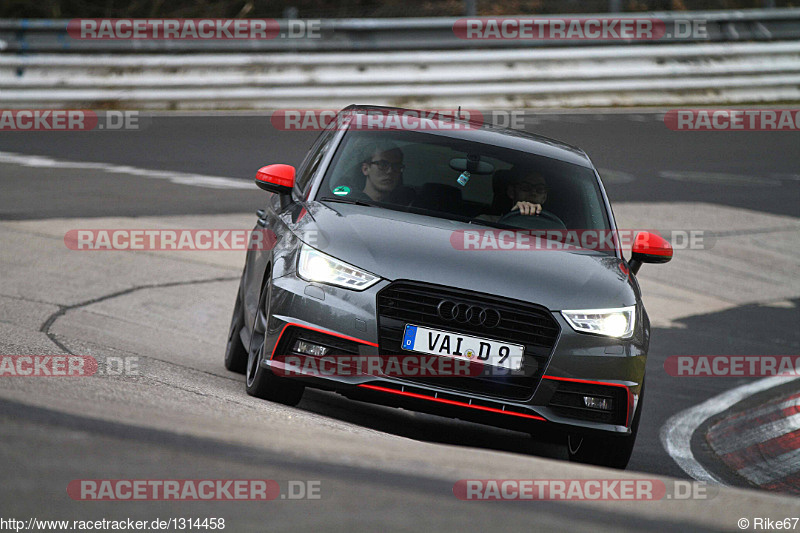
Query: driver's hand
point(528, 208)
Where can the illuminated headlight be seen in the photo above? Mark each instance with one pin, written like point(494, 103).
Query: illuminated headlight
point(610, 322)
point(313, 265)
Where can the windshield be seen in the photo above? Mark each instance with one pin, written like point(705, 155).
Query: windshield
point(458, 179)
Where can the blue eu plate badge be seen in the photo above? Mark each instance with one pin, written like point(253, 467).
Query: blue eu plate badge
point(408, 338)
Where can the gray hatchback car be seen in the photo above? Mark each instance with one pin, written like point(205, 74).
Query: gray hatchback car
point(450, 267)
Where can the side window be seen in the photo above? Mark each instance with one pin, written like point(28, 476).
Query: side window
point(315, 157)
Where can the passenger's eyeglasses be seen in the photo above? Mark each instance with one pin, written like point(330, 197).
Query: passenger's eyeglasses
point(529, 187)
point(385, 165)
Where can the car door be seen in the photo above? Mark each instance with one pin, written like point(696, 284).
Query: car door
point(277, 220)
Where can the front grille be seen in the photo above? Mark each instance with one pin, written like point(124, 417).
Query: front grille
point(405, 302)
point(568, 401)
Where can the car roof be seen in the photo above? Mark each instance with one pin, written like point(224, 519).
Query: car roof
point(491, 134)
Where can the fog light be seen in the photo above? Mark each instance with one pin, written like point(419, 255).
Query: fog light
point(593, 402)
point(309, 349)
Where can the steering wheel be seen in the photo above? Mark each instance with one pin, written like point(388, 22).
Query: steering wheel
point(544, 220)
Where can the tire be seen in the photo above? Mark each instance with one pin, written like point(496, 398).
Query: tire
point(235, 352)
point(611, 451)
point(261, 382)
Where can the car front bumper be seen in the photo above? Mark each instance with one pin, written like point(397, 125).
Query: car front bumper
point(579, 365)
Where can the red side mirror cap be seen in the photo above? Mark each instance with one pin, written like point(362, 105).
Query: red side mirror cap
point(276, 178)
point(651, 248)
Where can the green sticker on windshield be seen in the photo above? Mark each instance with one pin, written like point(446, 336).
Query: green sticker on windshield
point(341, 190)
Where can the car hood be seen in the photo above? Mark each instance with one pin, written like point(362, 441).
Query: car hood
point(398, 245)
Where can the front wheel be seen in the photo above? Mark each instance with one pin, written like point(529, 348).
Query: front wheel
point(611, 450)
point(235, 352)
point(261, 382)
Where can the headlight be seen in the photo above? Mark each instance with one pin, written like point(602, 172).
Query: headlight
point(313, 265)
point(610, 322)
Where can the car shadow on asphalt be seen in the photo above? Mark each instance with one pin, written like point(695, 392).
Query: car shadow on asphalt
point(425, 427)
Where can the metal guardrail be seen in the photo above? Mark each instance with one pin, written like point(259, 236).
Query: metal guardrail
point(410, 62)
point(50, 36)
point(602, 76)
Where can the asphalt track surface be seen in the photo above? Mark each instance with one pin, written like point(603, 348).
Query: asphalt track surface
point(632, 144)
point(189, 418)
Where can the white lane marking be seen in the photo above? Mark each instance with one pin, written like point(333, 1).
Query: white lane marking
point(719, 178)
point(772, 469)
point(180, 178)
point(760, 433)
point(676, 433)
point(615, 176)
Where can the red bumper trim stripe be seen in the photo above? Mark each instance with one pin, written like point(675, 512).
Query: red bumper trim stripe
point(451, 402)
point(277, 342)
point(628, 396)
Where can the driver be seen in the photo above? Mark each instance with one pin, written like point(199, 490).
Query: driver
point(528, 193)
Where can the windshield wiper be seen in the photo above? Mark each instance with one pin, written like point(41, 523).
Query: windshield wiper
point(345, 201)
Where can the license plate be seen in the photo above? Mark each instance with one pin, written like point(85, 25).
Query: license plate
point(485, 351)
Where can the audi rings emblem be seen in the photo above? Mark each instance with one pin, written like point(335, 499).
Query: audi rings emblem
point(474, 315)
